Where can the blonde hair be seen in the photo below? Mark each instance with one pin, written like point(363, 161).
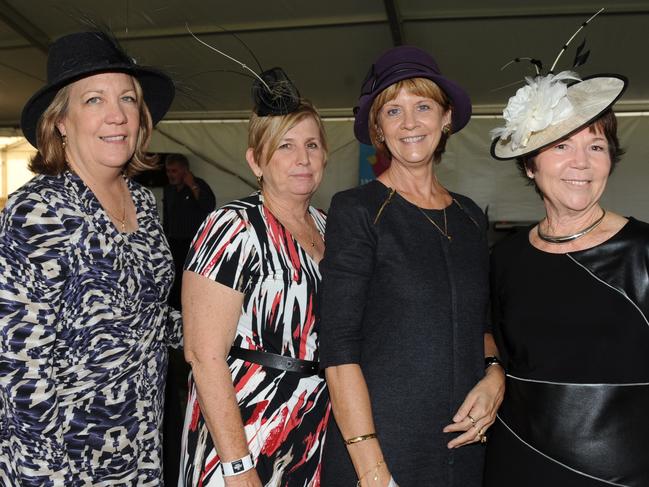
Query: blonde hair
point(50, 158)
point(265, 133)
point(416, 86)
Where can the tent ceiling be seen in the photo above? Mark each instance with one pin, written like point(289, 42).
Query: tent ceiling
point(326, 47)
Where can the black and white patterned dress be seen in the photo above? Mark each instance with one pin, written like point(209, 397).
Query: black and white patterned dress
point(83, 334)
point(285, 414)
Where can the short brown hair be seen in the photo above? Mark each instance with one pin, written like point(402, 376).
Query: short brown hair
point(606, 123)
point(265, 133)
point(50, 158)
point(417, 86)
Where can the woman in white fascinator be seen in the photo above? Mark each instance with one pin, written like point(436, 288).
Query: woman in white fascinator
point(570, 299)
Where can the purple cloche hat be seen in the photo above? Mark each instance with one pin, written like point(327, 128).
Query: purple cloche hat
point(404, 62)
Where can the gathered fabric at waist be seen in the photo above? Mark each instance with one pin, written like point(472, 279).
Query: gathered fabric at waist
point(599, 430)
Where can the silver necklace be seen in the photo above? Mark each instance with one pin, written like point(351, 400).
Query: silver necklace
point(569, 238)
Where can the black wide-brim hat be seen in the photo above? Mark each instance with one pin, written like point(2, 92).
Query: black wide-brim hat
point(82, 54)
point(405, 62)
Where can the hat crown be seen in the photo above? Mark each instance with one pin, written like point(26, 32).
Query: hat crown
point(84, 51)
point(83, 54)
point(395, 63)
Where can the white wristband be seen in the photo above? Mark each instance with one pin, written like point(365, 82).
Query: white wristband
point(239, 466)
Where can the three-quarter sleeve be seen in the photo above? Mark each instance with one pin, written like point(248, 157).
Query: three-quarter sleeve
point(33, 266)
point(222, 250)
point(347, 267)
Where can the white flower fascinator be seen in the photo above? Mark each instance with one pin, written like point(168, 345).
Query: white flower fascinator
point(553, 106)
point(542, 102)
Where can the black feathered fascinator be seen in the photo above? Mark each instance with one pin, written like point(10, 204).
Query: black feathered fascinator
point(276, 96)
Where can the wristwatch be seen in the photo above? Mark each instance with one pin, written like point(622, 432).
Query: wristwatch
point(492, 360)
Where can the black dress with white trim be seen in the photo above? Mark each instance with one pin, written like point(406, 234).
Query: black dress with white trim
point(573, 330)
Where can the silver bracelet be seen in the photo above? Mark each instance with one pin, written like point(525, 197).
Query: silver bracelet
point(239, 466)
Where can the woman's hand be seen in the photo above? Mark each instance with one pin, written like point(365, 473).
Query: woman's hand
point(246, 479)
point(478, 411)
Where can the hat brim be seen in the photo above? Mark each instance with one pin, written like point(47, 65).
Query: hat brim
point(590, 98)
point(460, 101)
point(157, 88)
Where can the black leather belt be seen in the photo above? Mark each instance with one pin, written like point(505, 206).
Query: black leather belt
point(598, 430)
point(275, 361)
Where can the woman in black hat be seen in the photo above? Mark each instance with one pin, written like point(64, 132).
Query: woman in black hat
point(86, 272)
point(405, 294)
point(570, 299)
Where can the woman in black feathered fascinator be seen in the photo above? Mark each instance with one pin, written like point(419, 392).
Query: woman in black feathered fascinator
point(257, 407)
point(86, 271)
point(570, 300)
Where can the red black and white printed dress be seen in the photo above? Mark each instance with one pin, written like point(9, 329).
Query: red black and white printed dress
point(243, 246)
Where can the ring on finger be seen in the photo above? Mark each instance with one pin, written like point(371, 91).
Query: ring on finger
point(483, 439)
point(481, 432)
point(473, 421)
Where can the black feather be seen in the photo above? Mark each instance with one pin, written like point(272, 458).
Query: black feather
point(580, 56)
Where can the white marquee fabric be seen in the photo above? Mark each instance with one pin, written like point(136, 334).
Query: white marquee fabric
point(466, 168)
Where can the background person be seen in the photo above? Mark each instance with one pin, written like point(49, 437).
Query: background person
point(86, 272)
point(258, 409)
point(405, 295)
point(186, 202)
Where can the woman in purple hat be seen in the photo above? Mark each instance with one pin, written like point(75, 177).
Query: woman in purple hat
point(404, 334)
point(84, 324)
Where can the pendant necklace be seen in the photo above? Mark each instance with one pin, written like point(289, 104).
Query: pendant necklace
point(569, 238)
point(295, 235)
point(121, 221)
point(443, 232)
point(439, 229)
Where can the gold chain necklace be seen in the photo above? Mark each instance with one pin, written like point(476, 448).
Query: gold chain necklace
point(443, 232)
point(122, 221)
point(296, 235)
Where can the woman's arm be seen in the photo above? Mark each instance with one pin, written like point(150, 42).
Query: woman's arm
point(478, 411)
point(347, 269)
point(210, 315)
point(32, 240)
point(350, 401)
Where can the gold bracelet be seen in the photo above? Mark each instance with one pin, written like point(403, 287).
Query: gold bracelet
point(358, 439)
point(374, 469)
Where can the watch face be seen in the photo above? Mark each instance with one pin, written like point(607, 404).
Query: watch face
point(237, 466)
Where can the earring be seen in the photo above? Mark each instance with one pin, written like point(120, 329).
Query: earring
point(64, 141)
point(446, 129)
point(260, 180)
point(380, 138)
